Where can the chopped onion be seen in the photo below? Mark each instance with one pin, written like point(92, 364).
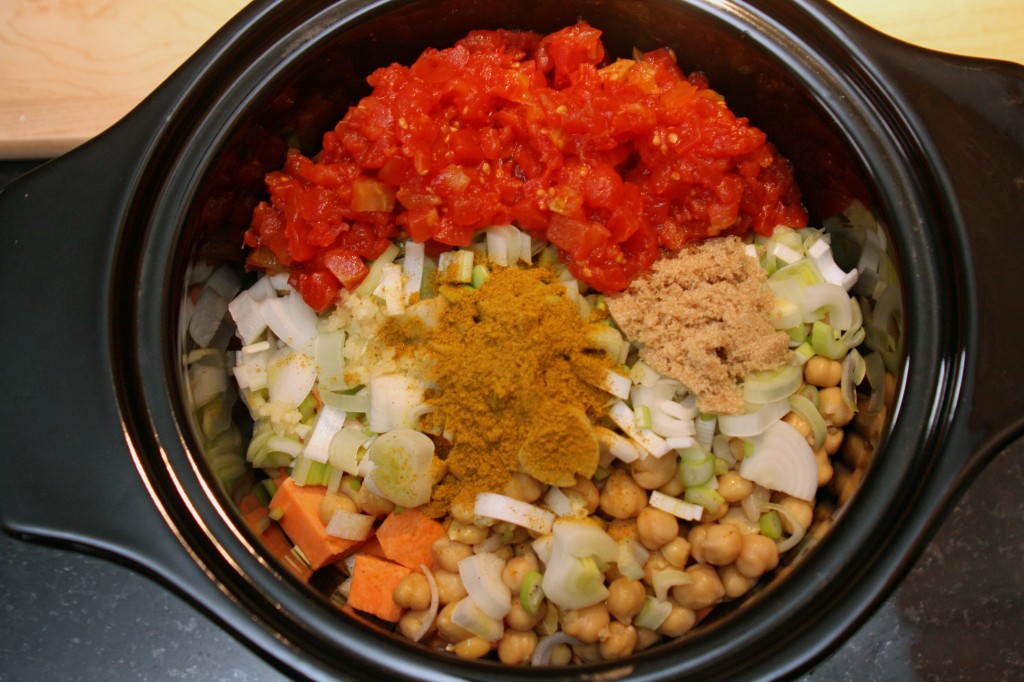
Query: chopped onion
point(574, 576)
point(821, 253)
point(782, 460)
point(402, 466)
point(616, 445)
point(617, 384)
point(558, 502)
point(292, 321)
point(207, 316)
point(686, 511)
point(545, 645)
point(753, 422)
point(395, 402)
point(631, 559)
point(245, 312)
point(665, 579)
point(481, 576)
point(798, 530)
point(504, 243)
point(349, 525)
point(652, 614)
point(504, 508)
point(330, 360)
point(805, 409)
point(328, 422)
point(623, 416)
point(435, 601)
point(770, 385)
point(343, 452)
point(290, 377)
point(469, 615)
point(753, 503)
point(412, 268)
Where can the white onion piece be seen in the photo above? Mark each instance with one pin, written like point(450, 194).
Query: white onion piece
point(558, 502)
point(481, 576)
point(435, 601)
point(412, 268)
point(833, 299)
point(623, 416)
point(207, 316)
point(542, 652)
point(504, 508)
point(665, 579)
point(821, 253)
point(349, 525)
point(468, 614)
point(652, 614)
point(343, 451)
point(290, 377)
point(687, 511)
point(504, 244)
point(292, 321)
point(753, 423)
point(616, 445)
point(782, 460)
point(328, 422)
point(402, 461)
point(753, 504)
point(574, 574)
point(631, 559)
point(245, 312)
point(395, 402)
point(617, 384)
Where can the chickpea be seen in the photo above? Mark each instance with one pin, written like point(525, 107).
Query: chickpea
point(655, 562)
point(335, 502)
point(867, 424)
point(651, 473)
point(446, 627)
point(625, 598)
point(350, 486)
point(516, 647)
point(468, 535)
point(824, 463)
point(449, 586)
point(516, 569)
point(449, 553)
point(677, 552)
point(587, 491)
point(847, 483)
point(738, 518)
point(623, 529)
point(373, 504)
point(656, 528)
point(461, 509)
point(589, 624)
point(472, 647)
point(758, 556)
point(705, 590)
point(680, 620)
point(800, 510)
point(857, 451)
point(412, 621)
point(620, 642)
point(833, 407)
point(734, 487)
point(800, 424)
point(622, 498)
point(735, 583)
point(518, 619)
point(412, 592)
point(674, 488)
point(696, 538)
point(646, 638)
point(560, 655)
point(834, 439)
point(523, 487)
point(823, 372)
point(722, 544)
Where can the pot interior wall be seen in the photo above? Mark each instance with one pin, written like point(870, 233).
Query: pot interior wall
point(309, 85)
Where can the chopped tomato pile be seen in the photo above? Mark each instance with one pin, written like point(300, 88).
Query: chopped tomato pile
point(607, 161)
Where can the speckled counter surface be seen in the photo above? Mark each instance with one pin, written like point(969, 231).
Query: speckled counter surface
point(68, 616)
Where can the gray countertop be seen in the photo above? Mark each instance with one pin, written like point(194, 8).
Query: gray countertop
point(69, 616)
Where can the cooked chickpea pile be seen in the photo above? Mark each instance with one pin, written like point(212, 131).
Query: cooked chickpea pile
point(725, 555)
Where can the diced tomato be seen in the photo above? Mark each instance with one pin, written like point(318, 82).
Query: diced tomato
point(609, 162)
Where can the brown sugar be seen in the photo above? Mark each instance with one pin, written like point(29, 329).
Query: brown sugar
point(701, 316)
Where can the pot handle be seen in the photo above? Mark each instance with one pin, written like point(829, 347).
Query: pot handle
point(972, 113)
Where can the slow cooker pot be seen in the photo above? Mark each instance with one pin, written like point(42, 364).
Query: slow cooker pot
point(99, 247)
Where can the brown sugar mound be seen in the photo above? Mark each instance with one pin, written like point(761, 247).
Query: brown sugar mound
point(701, 317)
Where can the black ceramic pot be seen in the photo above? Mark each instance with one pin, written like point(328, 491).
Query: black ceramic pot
point(98, 450)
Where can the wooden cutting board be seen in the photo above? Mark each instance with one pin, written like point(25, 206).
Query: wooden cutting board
point(71, 68)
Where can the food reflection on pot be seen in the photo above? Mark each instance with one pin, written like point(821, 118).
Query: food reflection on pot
point(521, 365)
